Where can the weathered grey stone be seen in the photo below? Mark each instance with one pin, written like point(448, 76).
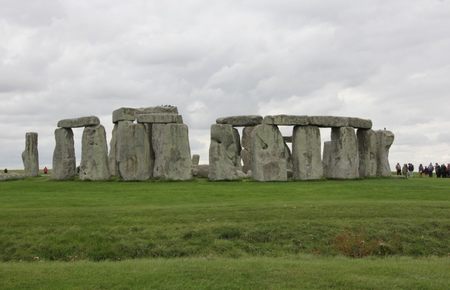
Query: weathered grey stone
point(159, 118)
point(287, 139)
point(224, 153)
point(343, 160)
point(269, 154)
point(328, 121)
point(30, 156)
point(79, 122)
point(306, 151)
point(246, 154)
point(367, 150)
point(134, 151)
point(94, 154)
point(384, 142)
point(359, 123)
point(286, 120)
point(195, 159)
point(64, 164)
point(124, 114)
point(167, 109)
point(172, 152)
point(202, 171)
point(112, 157)
point(244, 120)
point(326, 160)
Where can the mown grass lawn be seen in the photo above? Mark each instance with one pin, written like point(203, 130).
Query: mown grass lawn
point(299, 230)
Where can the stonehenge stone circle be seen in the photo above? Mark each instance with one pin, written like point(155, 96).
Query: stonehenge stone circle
point(94, 154)
point(172, 152)
point(367, 150)
point(269, 160)
point(64, 164)
point(30, 155)
point(79, 122)
point(343, 161)
point(384, 142)
point(306, 153)
point(241, 121)
point(134, 154)
point(224, 153)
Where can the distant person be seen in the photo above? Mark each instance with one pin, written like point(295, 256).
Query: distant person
point(45, 170)
point(398, 167)
point(405, 170)
point(421, 169)
point(444, 171)
point(6, 170)
point(437, 168)
point(430, 170)
point(410, 169)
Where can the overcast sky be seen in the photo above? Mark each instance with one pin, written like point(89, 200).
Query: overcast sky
point(384, 60)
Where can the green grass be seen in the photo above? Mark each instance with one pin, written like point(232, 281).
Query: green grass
point(304, 272)
point(229, 235)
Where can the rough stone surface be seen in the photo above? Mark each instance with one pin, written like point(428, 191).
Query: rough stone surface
point(269, 155)
point(326, 160)
point(134, 151)
point(224, 153)
point(286, 120)
point(130, 114)
point(94, 154)
point(306, 153)
point(202, 171)
point(328, 121)
point(64, 164)
point(195, 159)
point(159, 118)
point(246, 153)
point(244, 120)
point(79, 122)
point(30, 156)
point(124, 114)
point(112, 157)
point(360, 123)
point(384, 142)
point(343, 159)
point(367, 150)
point(172, 152)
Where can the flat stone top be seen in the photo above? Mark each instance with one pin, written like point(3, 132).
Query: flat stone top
point(319, 121)
point(159, 118)
point(241, 121)
point(130, 114)
point(79, 122)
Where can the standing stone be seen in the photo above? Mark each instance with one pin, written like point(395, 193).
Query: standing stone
point(30, 156)
point(195, 159)
point(344, 161)
point(367, 150)
point(134, 154)
point(326, 160)
point(64, 164)
point(94, 154)
point(224, 153)
point(269, 155)
point(384, 142)
point(306, 150)
point(172, 152)
point(112, 157)
point(246, 153)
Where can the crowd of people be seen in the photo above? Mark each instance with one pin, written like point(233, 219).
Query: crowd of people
point(440, 170)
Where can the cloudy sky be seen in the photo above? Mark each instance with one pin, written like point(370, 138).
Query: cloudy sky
point(384, 60)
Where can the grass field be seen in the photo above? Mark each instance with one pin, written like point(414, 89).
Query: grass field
point(225, 235)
